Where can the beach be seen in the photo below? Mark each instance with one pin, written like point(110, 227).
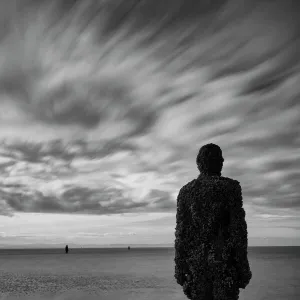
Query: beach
point(146, 273)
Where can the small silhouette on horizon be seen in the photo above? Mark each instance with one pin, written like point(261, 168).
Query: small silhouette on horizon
point(66, 249)
point(128, 247)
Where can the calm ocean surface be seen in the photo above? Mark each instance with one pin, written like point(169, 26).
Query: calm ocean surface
point(141, 273)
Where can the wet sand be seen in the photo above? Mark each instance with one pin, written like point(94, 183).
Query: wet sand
point(130, 275)
point(146, 274)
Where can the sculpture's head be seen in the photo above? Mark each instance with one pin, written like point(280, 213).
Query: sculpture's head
point(210, 160)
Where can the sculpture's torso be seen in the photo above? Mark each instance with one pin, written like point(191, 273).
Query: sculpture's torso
point(207, 200)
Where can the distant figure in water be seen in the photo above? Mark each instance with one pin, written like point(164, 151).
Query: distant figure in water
point(211, 239)
point(128, 248)
point(66, 249)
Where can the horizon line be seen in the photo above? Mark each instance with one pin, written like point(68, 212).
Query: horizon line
point(118, 246)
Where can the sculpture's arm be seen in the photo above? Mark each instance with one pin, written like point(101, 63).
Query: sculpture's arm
point(180, 236)
point(239, 238)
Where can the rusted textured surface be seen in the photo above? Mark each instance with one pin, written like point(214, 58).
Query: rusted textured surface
point(211, 237)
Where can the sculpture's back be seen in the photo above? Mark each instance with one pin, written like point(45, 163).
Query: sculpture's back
point(211, 238)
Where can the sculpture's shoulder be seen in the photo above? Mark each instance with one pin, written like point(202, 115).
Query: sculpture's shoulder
point(188, 187)
point(230, 182)
point(205, 182)
point(186, 191)
point(218, 181)
point(234, 192)
point(209, 188)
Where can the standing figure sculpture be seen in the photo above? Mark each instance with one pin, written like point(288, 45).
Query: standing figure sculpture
point(211, 239)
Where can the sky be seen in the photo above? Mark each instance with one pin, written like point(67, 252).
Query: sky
point(105, 104)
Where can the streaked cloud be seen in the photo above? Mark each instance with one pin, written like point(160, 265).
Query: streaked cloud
point(104, 115)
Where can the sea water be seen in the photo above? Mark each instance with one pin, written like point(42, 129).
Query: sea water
point(139, 273)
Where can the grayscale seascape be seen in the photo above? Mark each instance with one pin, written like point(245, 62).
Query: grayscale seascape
point(104, 105)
